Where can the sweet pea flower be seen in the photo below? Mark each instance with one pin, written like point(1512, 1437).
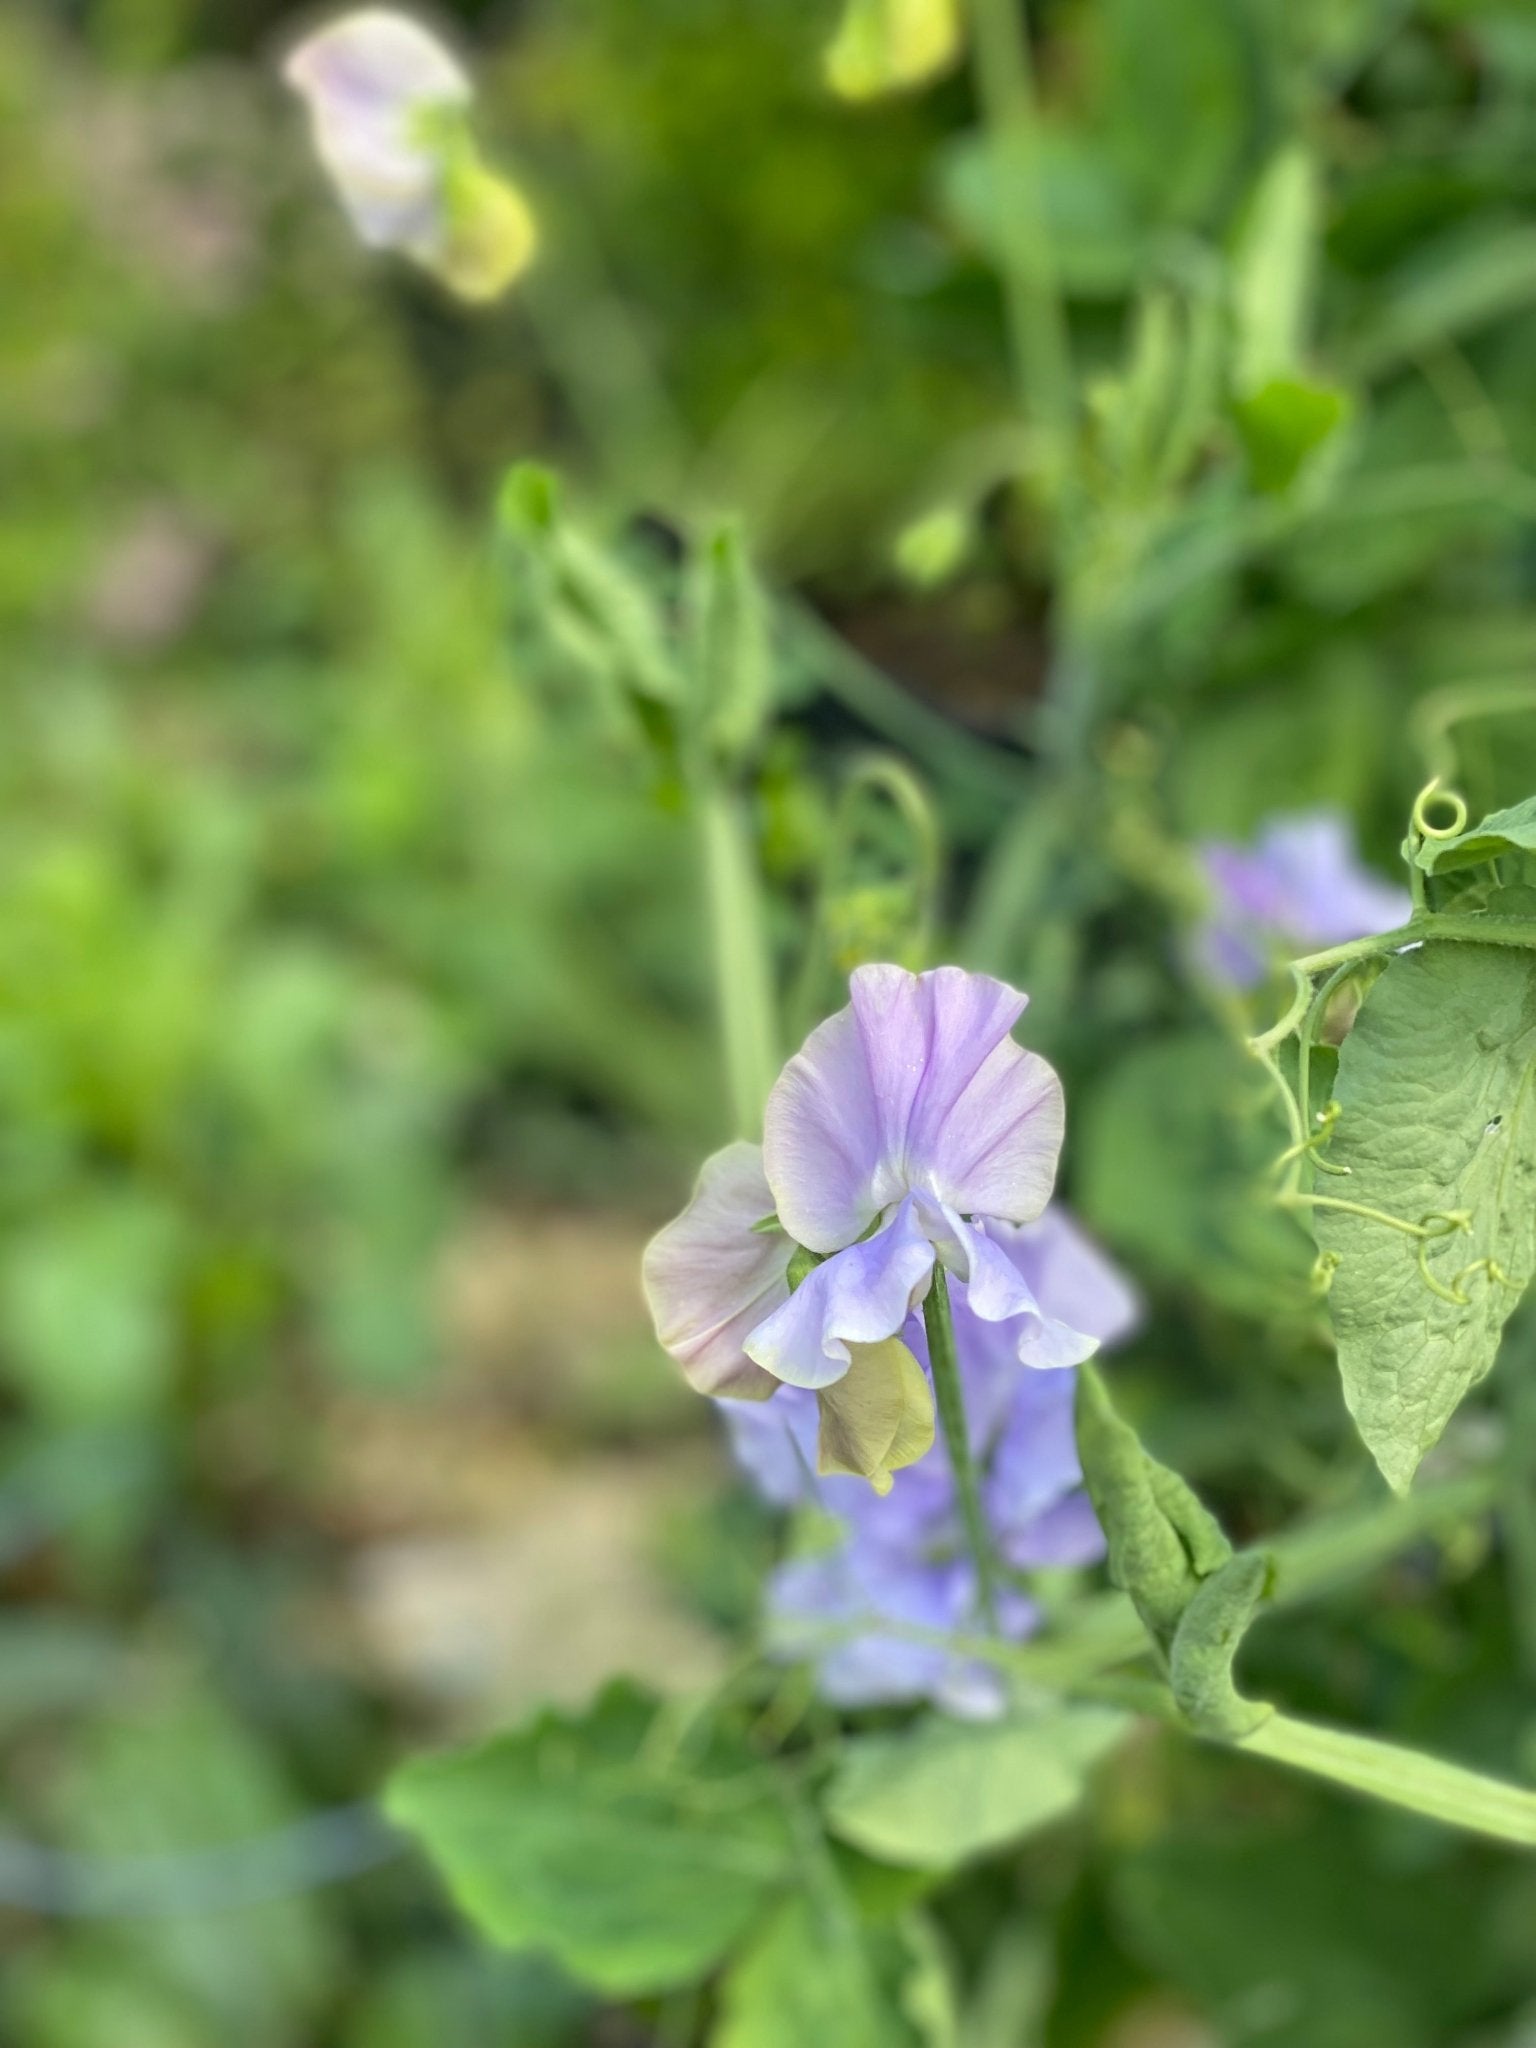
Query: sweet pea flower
point(907, 1131)
point(1300, 886)
point(911, 1131)
point(883, 46)
point(389, 104)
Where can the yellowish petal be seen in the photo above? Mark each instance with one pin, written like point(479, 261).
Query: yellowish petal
point(878, 1417)
point(889, 45)
point(490, 238)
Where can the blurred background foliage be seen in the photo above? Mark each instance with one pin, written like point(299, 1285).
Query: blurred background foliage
point(355, 1023)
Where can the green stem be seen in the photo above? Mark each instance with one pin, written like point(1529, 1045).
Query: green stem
point(1380, 1770)
point(949, 1399)
point(1472, 928)
point(1402, 1777)
point(1518, 1501)
point(1037, 327)
point(739, 945)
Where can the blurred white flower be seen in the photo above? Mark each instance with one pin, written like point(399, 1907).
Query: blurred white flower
point(389, 106)
point(889, 45)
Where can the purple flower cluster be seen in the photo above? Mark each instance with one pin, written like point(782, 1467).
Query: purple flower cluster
point(902, 1559)
point(910, 1134)
point(1299, 886)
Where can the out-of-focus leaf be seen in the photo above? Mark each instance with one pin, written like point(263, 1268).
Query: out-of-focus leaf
point(88, 1324)
point(54, 1663)
point(1283, 423)
point(172, 1772)
point(428, 1997)
point(943, 1790)
point(80, 1997)
point(1437, 1129)
point(1171, 1150)
point(635, 1871)
point(814, 1974)
point(1182, 86)
point(1089, 214)
point(1460, 285)
point(1301, 1937)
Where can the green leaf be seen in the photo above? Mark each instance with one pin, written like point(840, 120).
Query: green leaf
point(1090, 216)
point(167, 1771)
point(813, 1975)
point(1205, 1643)
point(1181, 99)
point(1162, 1541)
point(88, 1305)
point(1460, 284)
point(1437, 1121)
point(1171, 1151)
point(1283, 424)
point(1508, 831)
point(943, 1790)
point(1314, 1932)
point(636, 1871)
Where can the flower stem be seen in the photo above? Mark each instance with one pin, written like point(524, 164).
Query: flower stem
point(739, 945)
point(1037, 329)
point(1378, 1770)
point(949, 1399)
point(1402, 1777)
point(1474, 928)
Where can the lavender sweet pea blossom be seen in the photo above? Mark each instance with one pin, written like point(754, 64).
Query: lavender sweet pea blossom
point(905, 1131)
point(1300, 885)
point(910, 1133)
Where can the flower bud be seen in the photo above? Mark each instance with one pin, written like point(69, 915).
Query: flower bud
point(888, 45)
point(389, 108)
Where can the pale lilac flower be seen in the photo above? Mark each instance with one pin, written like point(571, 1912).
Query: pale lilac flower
point(907, 1128)
point(910, 1132)
point(1300, 886)
point(388, 104)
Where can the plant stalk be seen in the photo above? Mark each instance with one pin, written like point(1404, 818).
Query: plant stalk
point(949, 1399)
point(1037, 328)
point(739, 949)
point(1401, 1777)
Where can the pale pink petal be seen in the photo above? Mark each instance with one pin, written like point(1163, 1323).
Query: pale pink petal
point(710, 1278)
